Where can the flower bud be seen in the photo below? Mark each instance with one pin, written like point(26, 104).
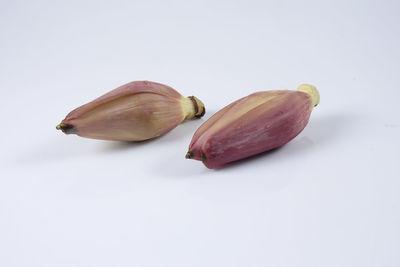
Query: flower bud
point(136, 111)
point(251, 125)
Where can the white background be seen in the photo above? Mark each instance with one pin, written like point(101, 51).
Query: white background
point(328, 198)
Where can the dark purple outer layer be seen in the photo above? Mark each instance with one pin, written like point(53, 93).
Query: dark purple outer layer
point(265, 127)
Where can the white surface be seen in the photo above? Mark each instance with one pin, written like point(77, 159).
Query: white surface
point(328, 198)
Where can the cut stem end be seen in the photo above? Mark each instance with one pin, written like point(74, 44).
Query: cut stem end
point(194, 108)
point(312, 91)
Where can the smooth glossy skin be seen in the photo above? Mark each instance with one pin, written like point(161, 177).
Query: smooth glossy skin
point(254, 124)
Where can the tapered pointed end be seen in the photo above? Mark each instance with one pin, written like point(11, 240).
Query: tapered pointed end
point(189, 155)
point(66, 128)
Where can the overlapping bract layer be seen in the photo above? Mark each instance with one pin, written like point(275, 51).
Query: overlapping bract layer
point(136, 111)
point(256, 123)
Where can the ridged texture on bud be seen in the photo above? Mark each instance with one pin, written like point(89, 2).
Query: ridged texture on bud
point(136, 111)
point(256, 123)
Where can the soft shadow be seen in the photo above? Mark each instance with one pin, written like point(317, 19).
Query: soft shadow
point(69, 147)
point(325, 129)
point(186, 129)
point(63, 147)
point(251, 160)
point(174, 164)
point(118, 146)
point(320, 132)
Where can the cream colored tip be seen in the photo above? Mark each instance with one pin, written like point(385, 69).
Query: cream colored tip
point(312, 91)
point(193, 107)
point(199, 108)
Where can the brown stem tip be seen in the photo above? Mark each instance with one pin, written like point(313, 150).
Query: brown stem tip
point(66, 128)
point(189, 155)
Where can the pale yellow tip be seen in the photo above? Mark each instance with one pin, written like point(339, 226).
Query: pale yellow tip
point(312, 91)
point(193, 107)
